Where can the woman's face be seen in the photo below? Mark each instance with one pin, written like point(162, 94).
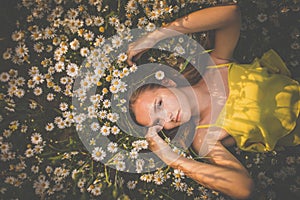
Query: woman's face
point(167, 107)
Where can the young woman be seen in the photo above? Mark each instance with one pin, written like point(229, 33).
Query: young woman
point(260, 112)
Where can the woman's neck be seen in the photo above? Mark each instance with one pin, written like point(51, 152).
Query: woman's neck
point(199, 98)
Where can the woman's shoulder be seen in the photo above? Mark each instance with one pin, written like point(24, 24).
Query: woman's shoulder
point(220, 61)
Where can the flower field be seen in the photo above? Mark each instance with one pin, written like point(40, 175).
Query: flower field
point(63, 67)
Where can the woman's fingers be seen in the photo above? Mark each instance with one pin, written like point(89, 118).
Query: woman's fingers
point(152, 131)
point(153, 138)
point(137, 48)
point(134, 55)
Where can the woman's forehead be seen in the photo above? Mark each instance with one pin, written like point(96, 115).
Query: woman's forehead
point(142, 109)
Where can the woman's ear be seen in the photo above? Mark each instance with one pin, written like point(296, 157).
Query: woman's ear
point(168, 82)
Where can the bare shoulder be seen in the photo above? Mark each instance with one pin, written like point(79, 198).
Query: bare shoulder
point(205, 139)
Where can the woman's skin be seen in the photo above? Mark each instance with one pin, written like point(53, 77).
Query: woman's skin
point(170, 107)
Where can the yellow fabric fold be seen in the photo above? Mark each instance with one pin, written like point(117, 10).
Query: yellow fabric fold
point(263, 105)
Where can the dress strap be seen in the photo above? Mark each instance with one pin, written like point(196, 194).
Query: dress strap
point(218, 66)
point(205, 126)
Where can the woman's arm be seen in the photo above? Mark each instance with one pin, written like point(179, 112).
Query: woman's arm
point(225, 173)
point(225, 20)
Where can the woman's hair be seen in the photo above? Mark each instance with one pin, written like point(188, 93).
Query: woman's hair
point(192, 76)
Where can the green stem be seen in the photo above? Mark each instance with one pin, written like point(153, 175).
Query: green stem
point(166, 195)
point(106, 175)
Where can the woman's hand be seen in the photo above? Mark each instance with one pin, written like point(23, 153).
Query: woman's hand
point(156, 143)
point(140, 46)
point(158, 146)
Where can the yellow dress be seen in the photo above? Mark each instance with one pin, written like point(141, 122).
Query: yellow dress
point(263, 105)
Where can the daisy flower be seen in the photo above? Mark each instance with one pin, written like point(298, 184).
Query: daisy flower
point(102, 114)
point(72, 70)
point(48, 33)
point(116, 41)
point(38, 149)
point(158, 178)
point(4, 77)
point(61, 124)
point(6, 133)
point(154, 14)
point(63, 106)
point(4, 147)
point(107, 49)
point(57, 88)
point(17, 36)
point(147, 177)
point(95, 126)
point(120, 165)
point(99, 41)
point(29, 152)
point(159, 75)
point(122, 57)
point(114, 21)
point(22, 176)
point(88, 36)
point(113, 117)
point(38, 47)
point(56, 41)
point(38, 91)
point(150, 27)
point(113, 89)
point(131, 6)
point(89, 21)
point(33, 70)
point(81, 183)
point(112, 147)
point(98, 154)
point(115, 130)
point(96, 191)
point(178, 174)
point(10, 180)
point(20, 81)
point(63, 48)
point(21, 50)
point(133, 68)
point(133, 154)
point(180, 186)
point(7, 54)
point(49, 48)
point(49, 127)
point(98, 21)
point(142, 21)
point(131, 184)
point(85, 83)
point(19, 93)
point(84, 52)
point(106, 103)
point(72, 13)
point(59, 66)
point(74, 45)
point(36, 35)
point(105, 130)
point(38, 78)
point(262, 17)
